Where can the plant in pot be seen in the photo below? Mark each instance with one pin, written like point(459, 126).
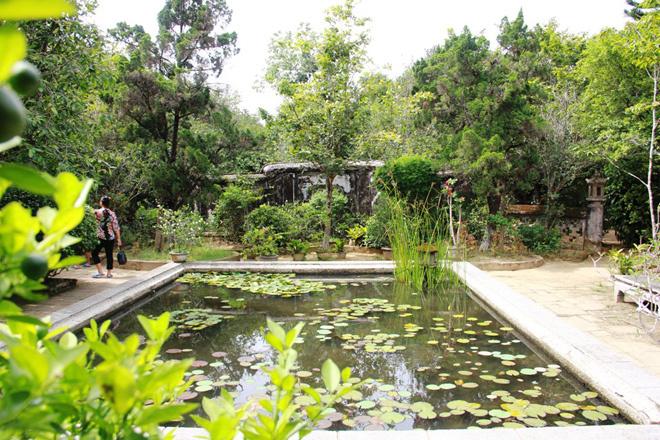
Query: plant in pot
point(334, 252)
point(260, 243)
point(183, 230)
point(298, 249)
point(356, 235)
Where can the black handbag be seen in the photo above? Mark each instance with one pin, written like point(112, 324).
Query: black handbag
point(121, 257)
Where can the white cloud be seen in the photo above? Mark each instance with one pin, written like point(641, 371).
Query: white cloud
point(401, 32)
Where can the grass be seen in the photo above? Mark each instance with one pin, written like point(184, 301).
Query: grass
point(199, 253)
point(415, 234)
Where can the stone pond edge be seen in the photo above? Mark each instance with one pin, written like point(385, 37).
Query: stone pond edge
point(615, 376)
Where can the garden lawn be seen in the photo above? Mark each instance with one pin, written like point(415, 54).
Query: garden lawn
point(199, 253)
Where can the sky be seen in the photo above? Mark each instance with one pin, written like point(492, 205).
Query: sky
point(401, 31)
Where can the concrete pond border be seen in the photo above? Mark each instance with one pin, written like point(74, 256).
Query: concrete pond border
point(615, 376)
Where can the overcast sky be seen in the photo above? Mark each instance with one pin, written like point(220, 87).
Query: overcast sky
point(401, 31)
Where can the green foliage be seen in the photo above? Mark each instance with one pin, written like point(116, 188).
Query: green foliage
point(278, 416)
point(356, 233)
point(276, 218)
point(234, 204)
point(97, 388)
point(85, 232)
point(342, 216)
point(413, 177)
point(183, 228)
point(261, 241)
point(538, 239)
point(376, 234)
point(297, 247)
point(338, 244)
point(144, 225)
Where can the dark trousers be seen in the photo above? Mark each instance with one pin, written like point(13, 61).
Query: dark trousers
point(108, 245)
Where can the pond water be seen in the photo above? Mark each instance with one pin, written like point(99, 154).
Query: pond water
point(444, 350)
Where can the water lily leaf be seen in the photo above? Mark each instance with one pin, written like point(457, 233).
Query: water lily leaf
point(392, 418)
point(366, 404)
point(578, 397)
point(567, 406)
point(607, 410)
point(534, 422)
point(594, 416)
point(500, 414)
point(512, 425)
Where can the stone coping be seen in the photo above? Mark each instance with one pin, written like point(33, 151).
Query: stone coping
point(615, 376)
point(607, 432)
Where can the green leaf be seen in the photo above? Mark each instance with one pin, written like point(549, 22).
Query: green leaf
point(69, 261)
point(331, 375)
point(13, 48)
point(34, 9)
point(28, 179)
point(155, 415)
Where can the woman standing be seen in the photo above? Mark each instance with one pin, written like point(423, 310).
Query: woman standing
point(108, 232)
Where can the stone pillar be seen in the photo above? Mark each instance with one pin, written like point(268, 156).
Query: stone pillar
point(596, 197)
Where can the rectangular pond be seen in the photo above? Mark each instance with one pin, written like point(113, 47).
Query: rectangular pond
point(437, 360)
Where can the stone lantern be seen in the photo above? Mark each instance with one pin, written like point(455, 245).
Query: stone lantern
point(595, 197)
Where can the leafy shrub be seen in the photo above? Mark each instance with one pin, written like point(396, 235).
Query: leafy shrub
point(307, 222)
point(183, 228)
point(260, 241)
point(277, 219)
point(538, 239)
point(375, 235)
point(144, 225)
point(412, 177)
point(234, 205)
point(356, 233)
point(342, 217)
point(86, 232)
point(297, 247)
point(338, 244)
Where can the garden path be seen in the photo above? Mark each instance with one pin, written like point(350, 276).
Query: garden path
point(86, 287)
point(582, 295)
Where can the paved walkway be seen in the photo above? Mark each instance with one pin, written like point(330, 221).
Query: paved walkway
point(86, 287)
point(582, 295)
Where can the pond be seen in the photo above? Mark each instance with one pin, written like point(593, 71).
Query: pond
point(436, 360)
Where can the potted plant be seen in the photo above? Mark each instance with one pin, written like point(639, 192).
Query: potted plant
point(356, 234)
point(183, 230)
point(298, 249)
point(260, 243)
point(334, 252)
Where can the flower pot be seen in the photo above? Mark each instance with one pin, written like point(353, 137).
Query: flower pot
point(268, 257)
point(179, 257)
point(299, 257)
point(387, 253)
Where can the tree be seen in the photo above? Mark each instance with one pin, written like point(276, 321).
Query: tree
point(166, 78)
point(319, 118)
point(638, 9)
point(619, 104)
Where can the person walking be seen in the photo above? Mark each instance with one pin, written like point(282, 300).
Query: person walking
point(108, 233)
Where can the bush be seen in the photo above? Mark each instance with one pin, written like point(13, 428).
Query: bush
point(538, 239)
point(86, 232)
point(234, 205)
point(376, 227)
point(183, 228)
point(260, 241)
point(414, 178)
point(277, 219)
point(143, 228)
point(342, 217)
point(307, 222)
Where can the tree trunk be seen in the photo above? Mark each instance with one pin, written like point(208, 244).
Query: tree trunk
point(327, 232)
point(175, 136)
point(494, 203)
point(649, 176)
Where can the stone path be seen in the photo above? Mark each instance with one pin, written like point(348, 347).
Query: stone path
point(582, 296)
point(86, 287)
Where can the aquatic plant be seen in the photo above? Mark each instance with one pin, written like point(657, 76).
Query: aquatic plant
point(419, 237)
point(284, 285)
point(278, 417)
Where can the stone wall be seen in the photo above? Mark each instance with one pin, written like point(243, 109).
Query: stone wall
point(295, 182)
point(572, 225)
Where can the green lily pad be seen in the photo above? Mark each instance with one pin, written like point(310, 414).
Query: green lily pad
point(366, 404)
point(392, 418)
point(594, 416)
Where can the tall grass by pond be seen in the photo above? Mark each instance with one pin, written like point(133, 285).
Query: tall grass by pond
point(421, 245)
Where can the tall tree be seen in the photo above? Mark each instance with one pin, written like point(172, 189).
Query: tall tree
point(319, 118)
point(166, 77)
point(638, 9)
